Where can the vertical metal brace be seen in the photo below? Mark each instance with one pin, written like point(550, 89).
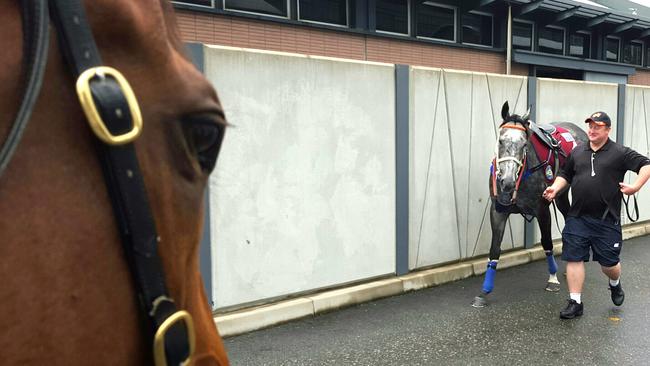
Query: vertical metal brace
point(402, 169)
point(620, 115)
point(529, 227)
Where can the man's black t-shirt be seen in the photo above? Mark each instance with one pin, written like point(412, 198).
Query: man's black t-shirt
point(594, 177)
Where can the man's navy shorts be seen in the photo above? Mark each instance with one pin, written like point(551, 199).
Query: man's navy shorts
point(602, 236)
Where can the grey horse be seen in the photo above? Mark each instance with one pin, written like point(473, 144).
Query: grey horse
point(517, 182)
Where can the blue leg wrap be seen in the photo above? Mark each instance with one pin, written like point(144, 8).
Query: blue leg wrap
point(552, 266)
point(488, 283)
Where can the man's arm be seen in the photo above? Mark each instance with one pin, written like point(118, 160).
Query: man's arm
point(644, 174)
point(557, 187)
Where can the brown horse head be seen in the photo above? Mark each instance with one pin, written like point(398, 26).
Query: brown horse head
point(67, 292)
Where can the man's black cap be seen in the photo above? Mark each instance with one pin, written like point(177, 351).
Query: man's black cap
point(600, 118)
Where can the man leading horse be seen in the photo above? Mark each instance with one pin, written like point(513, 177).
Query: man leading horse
point(595, 173)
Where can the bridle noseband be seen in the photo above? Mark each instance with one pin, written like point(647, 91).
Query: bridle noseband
point(114, 116)
point(521, 164)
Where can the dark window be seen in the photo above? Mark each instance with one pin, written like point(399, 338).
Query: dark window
point(195, 2)
point(632, 53)
point(579, 45)
point(324, 11)
point(647, 56)
point(436, 21)
point(477, 29)
point(269, 7)
point(551, 40)
point(393, 16)
point(522, 36)
point(611, 49)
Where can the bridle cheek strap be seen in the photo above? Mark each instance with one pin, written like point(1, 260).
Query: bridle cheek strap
point(36, 38)
point(114, 117)
point(521, 174)
point(497, 160)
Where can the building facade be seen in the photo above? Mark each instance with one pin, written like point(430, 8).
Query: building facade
point(571, 39)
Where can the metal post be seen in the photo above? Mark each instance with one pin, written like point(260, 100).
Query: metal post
point(620, 115)
point(401, 169)
point(529, 227)
point(509, 42)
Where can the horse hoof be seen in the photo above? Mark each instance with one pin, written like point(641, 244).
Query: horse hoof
point(479, 302)
point(552, 287)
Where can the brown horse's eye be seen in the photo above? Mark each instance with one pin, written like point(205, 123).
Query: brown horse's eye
point(204, 138)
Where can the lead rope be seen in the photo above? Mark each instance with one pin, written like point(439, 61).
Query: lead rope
point(557, 223)
point(636, 208)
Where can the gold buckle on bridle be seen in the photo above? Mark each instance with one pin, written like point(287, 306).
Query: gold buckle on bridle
point(90, 109)
point(160, 359)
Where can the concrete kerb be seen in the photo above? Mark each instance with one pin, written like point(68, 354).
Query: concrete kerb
point(252, 319)
point(247, 320)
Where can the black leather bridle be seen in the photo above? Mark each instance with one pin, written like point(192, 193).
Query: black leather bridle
point(114, 117)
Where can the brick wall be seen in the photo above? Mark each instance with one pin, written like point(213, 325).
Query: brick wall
point(238, 32)
point(519, 69)
point(641, 77)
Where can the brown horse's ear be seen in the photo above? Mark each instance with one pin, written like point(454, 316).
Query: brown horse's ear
point(526, 115)
point(504, 110)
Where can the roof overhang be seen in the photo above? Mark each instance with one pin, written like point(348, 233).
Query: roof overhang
point(527, 57)
point(582, 14)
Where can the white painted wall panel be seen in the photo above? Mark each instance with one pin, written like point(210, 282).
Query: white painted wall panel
point(637, 136)
point(433, 235)
point(454, 117)
point(304, 193)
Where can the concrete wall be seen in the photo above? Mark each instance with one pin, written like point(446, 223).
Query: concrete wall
point(454, 121)
point(303, 195)
point(637, 136)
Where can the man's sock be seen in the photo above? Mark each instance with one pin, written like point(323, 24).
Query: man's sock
point(615, 282)
point(575, 296)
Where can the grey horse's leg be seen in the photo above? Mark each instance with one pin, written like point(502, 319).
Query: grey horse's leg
point(544, 221)
point(498, 224)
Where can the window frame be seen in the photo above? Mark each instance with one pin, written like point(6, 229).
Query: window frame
point(533, 34)
point(408, 29)
point(638, 42)
point(482, 13)
point(259, 14)
point(619, 52)
point(564, 40)
point(347, 17)
point(587, 33)
point(455, 9)
point(181, 2)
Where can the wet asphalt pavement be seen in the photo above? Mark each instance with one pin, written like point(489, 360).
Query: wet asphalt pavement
point(437, 326)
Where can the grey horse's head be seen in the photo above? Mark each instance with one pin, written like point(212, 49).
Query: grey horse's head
point(510, 154)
